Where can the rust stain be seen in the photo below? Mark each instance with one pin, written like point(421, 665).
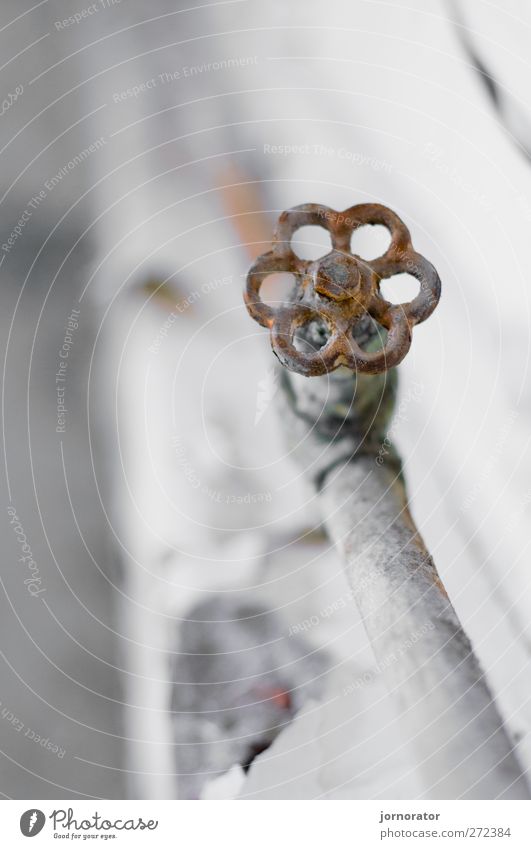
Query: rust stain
point(243, 204)
point(339, 289)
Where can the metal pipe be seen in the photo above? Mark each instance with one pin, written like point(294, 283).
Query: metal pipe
point(448, 715)
point(337, 422)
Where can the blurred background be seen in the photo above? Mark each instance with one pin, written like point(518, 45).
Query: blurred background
point(174, 623)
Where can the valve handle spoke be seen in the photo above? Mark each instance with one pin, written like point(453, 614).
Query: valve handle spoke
point(337, 290)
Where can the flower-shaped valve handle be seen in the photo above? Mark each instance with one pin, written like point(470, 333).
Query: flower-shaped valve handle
point(339, 290)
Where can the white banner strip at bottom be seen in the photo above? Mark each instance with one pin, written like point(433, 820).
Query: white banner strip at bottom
point(262, 824)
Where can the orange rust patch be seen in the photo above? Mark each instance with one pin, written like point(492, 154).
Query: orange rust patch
point(243, 204)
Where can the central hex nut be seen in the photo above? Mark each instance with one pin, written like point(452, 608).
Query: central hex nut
point(337, 276)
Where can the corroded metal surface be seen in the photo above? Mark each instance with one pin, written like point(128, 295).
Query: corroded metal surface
point(324, 323)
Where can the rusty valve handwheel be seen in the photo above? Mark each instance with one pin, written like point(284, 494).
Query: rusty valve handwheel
point(339, 289)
